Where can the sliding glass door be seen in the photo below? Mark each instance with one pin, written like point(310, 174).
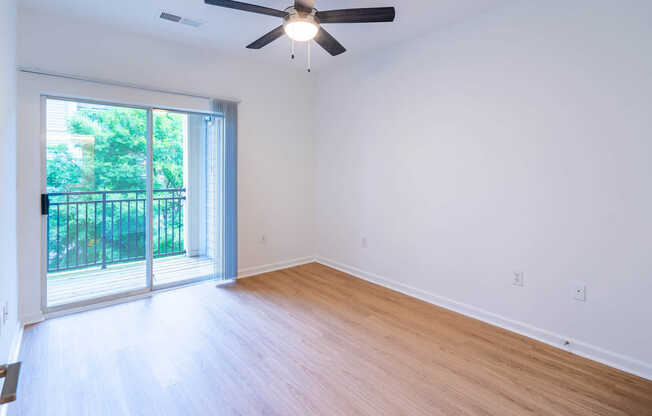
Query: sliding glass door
point(184, 206)
point(131, 200)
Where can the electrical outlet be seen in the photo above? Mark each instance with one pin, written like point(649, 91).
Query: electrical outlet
point(5, 312)
point(518, 279)
point(363, 242)
point(579, 292)
point(263, 239)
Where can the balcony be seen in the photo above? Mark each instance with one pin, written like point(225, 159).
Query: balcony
point(96, 244)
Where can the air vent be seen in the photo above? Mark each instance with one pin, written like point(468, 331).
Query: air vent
point(189, 22)
point(170, 17)
point(178, 19)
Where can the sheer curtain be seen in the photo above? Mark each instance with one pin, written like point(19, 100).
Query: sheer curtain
point(224, 131)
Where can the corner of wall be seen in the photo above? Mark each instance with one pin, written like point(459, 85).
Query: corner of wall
point(8, 185)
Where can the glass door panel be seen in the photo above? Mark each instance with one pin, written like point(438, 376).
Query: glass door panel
point(96, 180)
point(183, 216)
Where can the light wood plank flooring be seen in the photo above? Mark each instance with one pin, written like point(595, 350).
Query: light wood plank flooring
point(304, 341)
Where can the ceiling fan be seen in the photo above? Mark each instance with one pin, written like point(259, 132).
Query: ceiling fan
point(302, 22)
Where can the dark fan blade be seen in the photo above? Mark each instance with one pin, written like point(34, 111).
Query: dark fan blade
point(370, 15)
point(267, 38)
point(328, 42)
point(246, 7)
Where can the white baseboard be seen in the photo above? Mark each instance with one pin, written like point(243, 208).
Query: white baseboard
point(266, 268)
point(580, 348)
point(14, 352)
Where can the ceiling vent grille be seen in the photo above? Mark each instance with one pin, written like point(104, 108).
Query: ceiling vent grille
point(190, 22)
point(178, 19)
point(171, 17)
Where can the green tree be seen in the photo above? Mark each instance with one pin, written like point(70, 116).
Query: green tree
point(168, 150)
point(63, 171)
point(116, 158)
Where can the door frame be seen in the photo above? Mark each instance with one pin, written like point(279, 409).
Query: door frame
point(149, 167)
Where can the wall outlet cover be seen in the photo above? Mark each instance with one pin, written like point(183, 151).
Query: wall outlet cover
point(518, 279)
point(579, 291)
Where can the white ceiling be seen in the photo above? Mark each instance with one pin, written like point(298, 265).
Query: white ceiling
point(229, 30)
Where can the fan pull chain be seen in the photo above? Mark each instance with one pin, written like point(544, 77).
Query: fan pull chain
point(292, 42)
point(308, 55)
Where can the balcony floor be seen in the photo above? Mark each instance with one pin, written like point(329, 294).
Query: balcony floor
point(80, 285)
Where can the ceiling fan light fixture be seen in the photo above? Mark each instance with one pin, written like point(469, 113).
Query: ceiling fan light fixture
point(302, 21)
point(301, 30)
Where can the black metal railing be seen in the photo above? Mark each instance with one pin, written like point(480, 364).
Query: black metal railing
point(86, 229)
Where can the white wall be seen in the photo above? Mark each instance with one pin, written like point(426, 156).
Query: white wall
point(517, 140)
point(8, 264)
point(275, 165)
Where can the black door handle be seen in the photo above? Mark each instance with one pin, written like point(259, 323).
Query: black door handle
point(45, 204)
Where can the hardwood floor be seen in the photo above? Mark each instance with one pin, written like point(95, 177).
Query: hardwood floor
point(304, 341)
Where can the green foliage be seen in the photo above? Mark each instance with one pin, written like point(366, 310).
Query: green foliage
point(63, 170)
point(114, 157)
point(168, 150)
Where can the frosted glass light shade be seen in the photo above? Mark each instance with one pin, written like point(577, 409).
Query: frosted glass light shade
point(301, 31)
